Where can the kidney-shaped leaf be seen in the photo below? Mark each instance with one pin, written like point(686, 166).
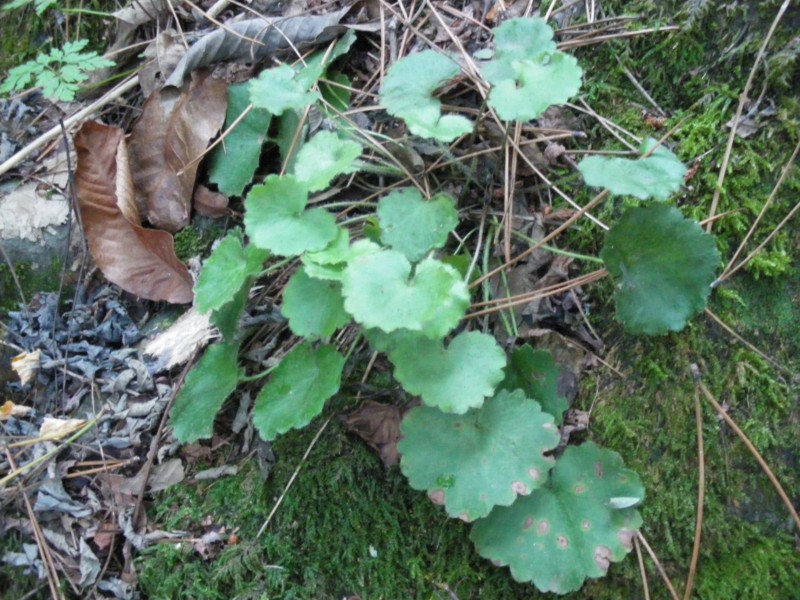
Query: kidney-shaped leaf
point(314, 307)
point(141, 261)
point(279, 89)
point(454, 379)
point(570, 529)
point(412, 225)
point(379, 291)
point(664, 266)
point(234, 163)
point(536, 373)
point(207, 386)
point(298, 389)
point(276, 219)
point(528, 74)
point(406, 93)
point(484, 458)
point(225, 272)
point(324, 157)
point(658, 176)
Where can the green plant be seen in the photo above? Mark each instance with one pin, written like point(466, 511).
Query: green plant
point(58, 72)
point(483, 444)
point(40, 5)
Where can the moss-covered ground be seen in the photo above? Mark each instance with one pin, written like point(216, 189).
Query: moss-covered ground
point(348, 527)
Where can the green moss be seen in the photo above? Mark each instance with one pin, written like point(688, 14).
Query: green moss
point(32, 279)
point(195, 240)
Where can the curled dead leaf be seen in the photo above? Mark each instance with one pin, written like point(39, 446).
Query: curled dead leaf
point(210, 204)
point(140, 261)
point(56, 429)
point(26, 365)
point(166, 145)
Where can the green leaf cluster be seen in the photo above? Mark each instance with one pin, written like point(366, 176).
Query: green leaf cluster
point(485, 441)
point(59, 72)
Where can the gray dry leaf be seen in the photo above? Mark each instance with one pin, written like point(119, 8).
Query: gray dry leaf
point(140, 12)
point(255, 39)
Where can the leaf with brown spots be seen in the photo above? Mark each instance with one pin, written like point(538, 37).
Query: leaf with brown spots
point(481, 459)
point(166, 145)
point(571, 528)
point(141, 261)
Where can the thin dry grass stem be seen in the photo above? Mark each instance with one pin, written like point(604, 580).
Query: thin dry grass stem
point(216, 9)
point(460, 15)
point(102, 468)
point(615, 20)
point(701, 488)
point(553, 234)
point(177, 22)
point(639, 88)
point(55, 131)
point(617, 36)
point(38, 534)
point(473, 72)
point(154, 442)
point(657, 563)
point(642, 570)
point(291, 481)
point(729, 269)
point(13, 272)
point(766, 241)
point(750, 346)
point(17, 472)
point(719, 217)
point(762, 463)
point(218, 141)
point(609, 126)
point(543, 293)
point(367, 135)
point(550, 8)
point(742, 101)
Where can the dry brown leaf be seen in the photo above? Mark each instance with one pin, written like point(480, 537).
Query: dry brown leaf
point(140, 261)
point(210, 204)
point(379, 426)
point(166, 144)
point(9, 409)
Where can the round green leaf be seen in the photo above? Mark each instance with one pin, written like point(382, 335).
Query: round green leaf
point(528, 74)
point(484, 458)
point(536, 373)
point(521, 38)
point(225, 272)
point(659, 175)
point(324, 157)
point(413, 226)
point(570, 529)
point(314, 307)
point(232, 166)
point(279, 89)
point(276, 220)
point(534, 87)
point(330, 263)
point(407, 93)
point(207, 386)
point(664, 266)
point(379, 291)
point(298, 389)
point(454, 379)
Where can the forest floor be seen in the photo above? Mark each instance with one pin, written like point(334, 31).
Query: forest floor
point(317, 514)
